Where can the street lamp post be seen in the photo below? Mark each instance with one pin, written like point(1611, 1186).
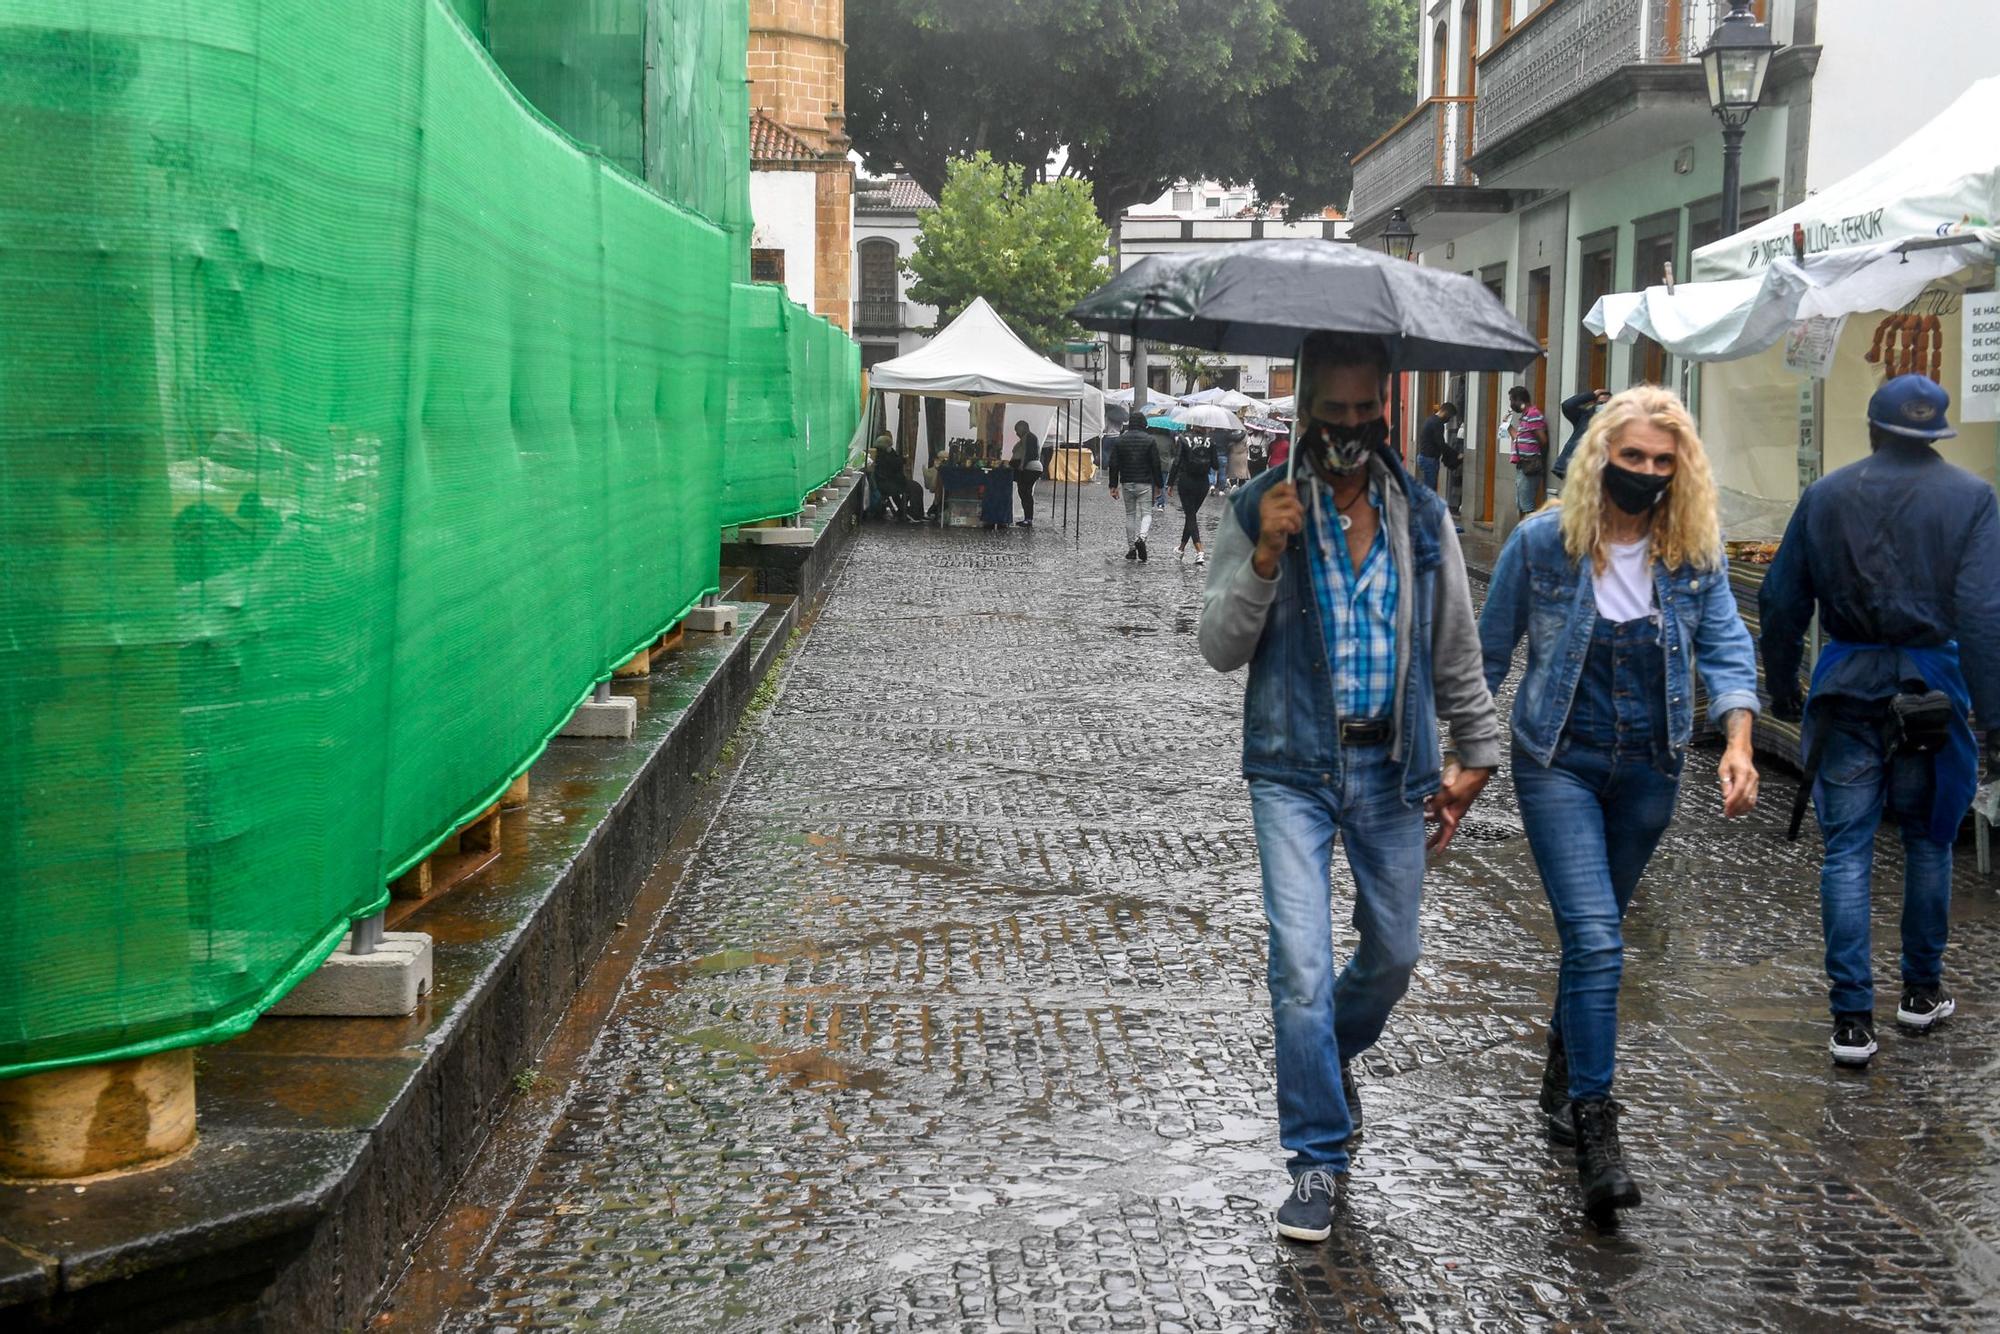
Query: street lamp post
point(1737, 58)
point(1399, 239)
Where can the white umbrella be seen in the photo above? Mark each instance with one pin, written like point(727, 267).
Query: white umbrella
point(1208, 415)
point(1154, 397)
point(1282, 407)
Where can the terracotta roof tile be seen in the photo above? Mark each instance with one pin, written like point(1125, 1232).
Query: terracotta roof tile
point(772, 142)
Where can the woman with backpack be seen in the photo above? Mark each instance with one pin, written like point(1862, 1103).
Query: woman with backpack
point(1193, 464)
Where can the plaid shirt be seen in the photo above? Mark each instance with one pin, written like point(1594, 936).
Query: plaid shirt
point(1357, 612)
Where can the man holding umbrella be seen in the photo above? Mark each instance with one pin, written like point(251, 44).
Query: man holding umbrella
point(1346, 595)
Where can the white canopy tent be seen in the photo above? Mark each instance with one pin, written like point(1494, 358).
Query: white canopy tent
point(976, 357)
point(978, 361)
point(1896, 244)
point(1873, 241)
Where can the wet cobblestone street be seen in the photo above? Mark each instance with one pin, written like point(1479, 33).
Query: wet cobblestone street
point(957, 1021)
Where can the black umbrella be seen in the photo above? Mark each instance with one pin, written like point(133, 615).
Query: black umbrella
point(1264, 297)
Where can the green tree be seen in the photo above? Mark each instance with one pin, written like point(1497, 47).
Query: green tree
point(1032, 250)
point(1131, 94)
point(1192, 364)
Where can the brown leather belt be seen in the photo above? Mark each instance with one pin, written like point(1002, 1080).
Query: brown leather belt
point(1371, 733)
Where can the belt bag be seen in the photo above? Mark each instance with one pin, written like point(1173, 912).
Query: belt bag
point(1919, 723)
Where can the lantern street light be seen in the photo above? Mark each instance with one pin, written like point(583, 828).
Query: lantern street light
point(1737, 58)
point(1399, 239)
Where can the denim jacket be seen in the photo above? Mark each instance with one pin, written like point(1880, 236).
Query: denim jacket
point(1291, 725)
point(1539, 591)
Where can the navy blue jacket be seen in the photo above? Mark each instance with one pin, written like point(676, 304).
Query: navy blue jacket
point(1900, 549)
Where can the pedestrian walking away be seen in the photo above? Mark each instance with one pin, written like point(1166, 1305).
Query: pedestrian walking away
point(1900, 556)
point(1433, 441)
point(1618, 591)
point(1527, 444)
point(1134, 465)
point(1193, 463)
point(1027, 461)
point(1577, 410)
point(1346, 596)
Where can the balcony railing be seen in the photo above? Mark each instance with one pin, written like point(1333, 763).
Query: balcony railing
point(1568, 46)
point(878, 315)
point(1427, 148)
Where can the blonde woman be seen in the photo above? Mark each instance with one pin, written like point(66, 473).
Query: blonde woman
point(1622, 592)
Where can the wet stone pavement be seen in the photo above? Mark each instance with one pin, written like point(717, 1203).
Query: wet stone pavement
point(957, 1021)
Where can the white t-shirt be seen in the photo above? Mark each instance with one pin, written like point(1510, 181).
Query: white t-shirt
point(1624, 588)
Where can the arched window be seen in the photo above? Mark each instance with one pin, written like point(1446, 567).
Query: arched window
point(1440, 62)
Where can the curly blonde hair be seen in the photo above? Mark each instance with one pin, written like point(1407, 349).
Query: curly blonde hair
point(1686, 529)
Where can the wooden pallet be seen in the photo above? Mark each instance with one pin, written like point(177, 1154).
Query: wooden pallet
point(470, 849)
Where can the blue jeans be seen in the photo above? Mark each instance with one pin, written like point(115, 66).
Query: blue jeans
point(1594, 817)
point(1857, 783)
point(1321, 1022)
point(1427, 470)
point(1527, 491)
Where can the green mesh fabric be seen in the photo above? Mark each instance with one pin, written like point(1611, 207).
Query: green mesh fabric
point(584, 64)
point(792, 406)
point(353, 423)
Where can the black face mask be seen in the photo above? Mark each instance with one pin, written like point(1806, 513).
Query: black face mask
point(1634, 492)
point(1344, 449)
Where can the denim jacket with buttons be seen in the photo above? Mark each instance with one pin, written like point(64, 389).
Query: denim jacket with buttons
point(1291, 723)
point(1539, 591)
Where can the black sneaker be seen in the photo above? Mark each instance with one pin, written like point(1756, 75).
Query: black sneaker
point(1853, 1039)
point(1307, 1213)
point(1555, 1094)
point(1140, 547)
point(1353, 1096)
point(1923, 1006)
point(1132, 552)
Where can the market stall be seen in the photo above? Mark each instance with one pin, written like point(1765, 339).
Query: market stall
point(1794, 322)
point(979, 362)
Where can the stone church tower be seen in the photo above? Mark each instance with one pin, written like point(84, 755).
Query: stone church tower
point(798, 80)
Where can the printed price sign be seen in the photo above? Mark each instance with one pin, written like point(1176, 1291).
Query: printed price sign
point(1979, 379)
point(1810, 343)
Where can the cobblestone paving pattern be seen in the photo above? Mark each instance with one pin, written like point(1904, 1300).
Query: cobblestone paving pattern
point(959, 1022)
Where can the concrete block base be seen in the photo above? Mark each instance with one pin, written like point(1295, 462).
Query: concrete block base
point(617, 717)
point(778, 537)
point(716, 620)
point(387, 983)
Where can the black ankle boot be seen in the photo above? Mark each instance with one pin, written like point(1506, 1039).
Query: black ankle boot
point(1600, 1165)
point(1555, 1094)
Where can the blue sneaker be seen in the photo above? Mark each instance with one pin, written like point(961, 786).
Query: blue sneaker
point(1307, 1213)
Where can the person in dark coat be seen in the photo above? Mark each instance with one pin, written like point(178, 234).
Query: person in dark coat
point(1577, 410)
point(1027, 464)
point(1190, 476)
point(1135, 464)
point(1433, 439)
point(1900, 555)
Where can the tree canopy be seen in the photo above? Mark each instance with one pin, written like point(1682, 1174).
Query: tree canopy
point(1032, 250)
point(1134, 93)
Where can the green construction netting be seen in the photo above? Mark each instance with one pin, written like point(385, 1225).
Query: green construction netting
point(353, 423)
point(792, 410)
point(672, 120)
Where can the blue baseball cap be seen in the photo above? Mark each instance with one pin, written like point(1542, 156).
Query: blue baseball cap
point(1913, 406)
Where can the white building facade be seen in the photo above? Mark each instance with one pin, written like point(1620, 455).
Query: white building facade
point(1564, 149)
point(887, 218)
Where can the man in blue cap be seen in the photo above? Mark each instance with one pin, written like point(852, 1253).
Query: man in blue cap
point(1901, 554)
